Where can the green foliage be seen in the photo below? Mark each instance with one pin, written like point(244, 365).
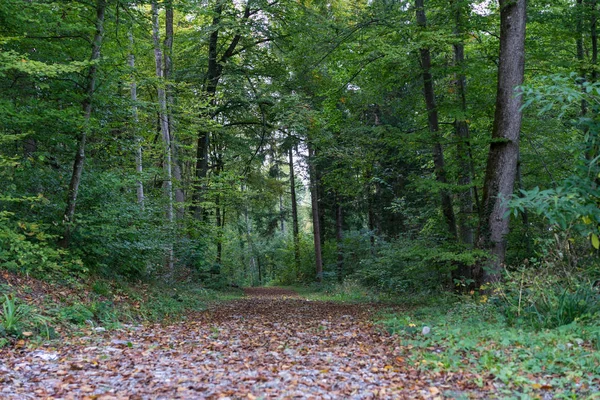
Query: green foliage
point(171, 302)
point(76, 314)
point(29, 252)
point(545, 300)
point(411, 266)
point(473, 335)
point(571, 205)
point(350, 291)
point(17, 317)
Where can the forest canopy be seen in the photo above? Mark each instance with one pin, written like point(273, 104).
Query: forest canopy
point(409, 146)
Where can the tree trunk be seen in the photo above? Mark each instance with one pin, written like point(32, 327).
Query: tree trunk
point(281, 214)
point(432, 114)
point(461, 128)
point(139, 166)
point(164, 130)
point(219, 212)
point(594, 34)
point(339, 236)
point(213, 75)
point(296, 228)
point(503, 155)
point(87, 112)
point(315, 212)
point(168, 73)
point(580, 53)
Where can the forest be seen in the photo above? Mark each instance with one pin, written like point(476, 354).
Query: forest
point(159, 156)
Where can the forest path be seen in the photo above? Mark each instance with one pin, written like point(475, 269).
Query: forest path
point(270, 344)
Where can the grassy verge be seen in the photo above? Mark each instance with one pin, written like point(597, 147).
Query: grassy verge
point(452, 334)
point(522, 362)
point(36, 311)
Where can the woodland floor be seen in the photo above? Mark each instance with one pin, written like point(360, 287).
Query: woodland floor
point(270, 344)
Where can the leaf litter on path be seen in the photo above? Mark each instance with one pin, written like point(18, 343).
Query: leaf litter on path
point(271, 344)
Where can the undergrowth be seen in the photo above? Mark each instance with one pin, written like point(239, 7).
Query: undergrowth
point(38, 311)
point(474, 336)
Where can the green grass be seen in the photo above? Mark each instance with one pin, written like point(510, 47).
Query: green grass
point(99, 303)
point(523, 362)
point(473, 335)
point(347, 292)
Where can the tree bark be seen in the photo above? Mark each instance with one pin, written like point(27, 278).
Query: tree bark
point(432, 119)
point(503, 155)
point(213, 75)
point(315, 212)
point(461, 128)
point(295, 226)
point(164, 130)
point(594, 35)
point(339, 236)
point(139, 166)
point(73, 190)
point(168, 73)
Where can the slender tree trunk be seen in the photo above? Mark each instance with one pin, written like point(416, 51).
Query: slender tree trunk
point(580, 53)
point(139, 166)
point(281, 214)
point(219, 212)
point(438, 153)
point(219, 228)
point(213, 75)
point(503, 155)
point(73, 190)
point(168, 73)
point(295, 226)
point(461, 128)
point(524, 214)
point(594, 34)
point(164, 130)
point(315, 212)
point(339, 236)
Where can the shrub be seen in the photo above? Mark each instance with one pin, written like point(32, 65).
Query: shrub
point(540, 299)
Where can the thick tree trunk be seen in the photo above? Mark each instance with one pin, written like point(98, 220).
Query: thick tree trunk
point(339, 236)
point(295, 226)
point(139, 166)
point(432, 114)
point(315, 212)
point(164, 130)
point(503, 155)
point(87, 112)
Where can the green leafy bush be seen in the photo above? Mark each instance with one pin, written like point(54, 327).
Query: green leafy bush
point(411, 266)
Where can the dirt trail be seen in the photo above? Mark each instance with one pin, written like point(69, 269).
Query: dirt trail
point(271, 344)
